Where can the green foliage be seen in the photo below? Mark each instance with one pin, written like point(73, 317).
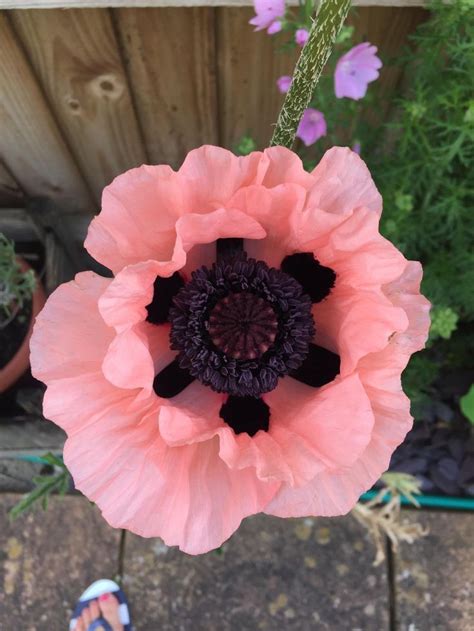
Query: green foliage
point(45, 485)
point(467, 404)
point(16, 286)
point(427, 179)
point(443, 322)
point(245, 146)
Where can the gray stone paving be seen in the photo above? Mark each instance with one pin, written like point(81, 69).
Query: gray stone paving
point(434, 579)
point(295, 574)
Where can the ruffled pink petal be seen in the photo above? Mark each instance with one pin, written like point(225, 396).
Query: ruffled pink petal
point(195, 229)
point(405, 293)
point(213, 175)
point(334, 492)
point(128, 362)
point(356, 323)
point(69, 337)
point(179, 505)
point(77, 403)
point(357, 317)
point(320, 429)
point(143, 485)
point(343, 182)
point(119, 461)
point(278, 165)
point(359, 254)
point(277, 210)
point(191, 416)
point(124, 302)
point(137, 221)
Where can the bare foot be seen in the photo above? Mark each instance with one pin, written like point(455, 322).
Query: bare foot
point(106, 607)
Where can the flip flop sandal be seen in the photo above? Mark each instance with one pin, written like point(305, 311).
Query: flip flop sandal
point(102, 586)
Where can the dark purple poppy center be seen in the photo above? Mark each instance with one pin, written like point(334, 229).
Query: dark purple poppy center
point(243, 325)
point(240, 326)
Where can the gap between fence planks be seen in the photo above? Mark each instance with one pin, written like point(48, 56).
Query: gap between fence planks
point(76, 58)
point(31, 145)
point(170, 54)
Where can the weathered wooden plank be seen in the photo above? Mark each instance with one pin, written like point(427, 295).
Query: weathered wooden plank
point(76, 56)
point(249, 65)
point(10, 192)
point(56, 4)
point(434, 587)
point(48, 558)
point(171, 63)
point(31, 145)
point(16, 224)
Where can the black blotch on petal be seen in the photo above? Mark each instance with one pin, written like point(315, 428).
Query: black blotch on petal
point(319, 368)
point(246, 414)
point(316, 280)
point(171, 380)
point(164, 290)
point(228, 248)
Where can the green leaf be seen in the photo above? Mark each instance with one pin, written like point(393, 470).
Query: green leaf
point(467, 404)
point(45, 485)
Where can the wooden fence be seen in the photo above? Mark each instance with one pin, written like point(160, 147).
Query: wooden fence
point(88, 93)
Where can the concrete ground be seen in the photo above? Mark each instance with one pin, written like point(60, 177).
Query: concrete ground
point(273, 574)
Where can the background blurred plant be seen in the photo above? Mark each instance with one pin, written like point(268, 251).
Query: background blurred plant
point(16, 285)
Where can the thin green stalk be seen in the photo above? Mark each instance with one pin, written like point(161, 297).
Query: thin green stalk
point(329, 20)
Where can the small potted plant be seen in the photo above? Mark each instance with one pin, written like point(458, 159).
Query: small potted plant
point(21, 298)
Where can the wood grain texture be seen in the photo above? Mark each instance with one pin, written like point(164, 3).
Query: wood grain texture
point(249, 66)
point(76, 56)
point(56, 4)
point(170, 56)
point(10, 193)
point(31, 145)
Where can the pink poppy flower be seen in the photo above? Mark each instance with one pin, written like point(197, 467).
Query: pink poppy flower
point(246, 355)
point(312, 126)
point(355, 70)
point(267, 15)
point(283, 83)
point(301, 36)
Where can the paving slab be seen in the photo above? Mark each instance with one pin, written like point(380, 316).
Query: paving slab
point(48, 558)
point(273, 574)
point(434, 578)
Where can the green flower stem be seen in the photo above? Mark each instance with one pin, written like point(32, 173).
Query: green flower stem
point(329, 20)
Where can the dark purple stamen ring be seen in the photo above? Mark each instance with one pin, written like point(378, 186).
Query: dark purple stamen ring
point(241, 325)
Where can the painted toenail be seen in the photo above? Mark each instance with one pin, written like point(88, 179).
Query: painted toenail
point(104, 597)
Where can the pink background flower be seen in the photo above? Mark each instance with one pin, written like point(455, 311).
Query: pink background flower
point(267, 15)
point(301, 36)
point(312, 126)
point(355, 70)
point(171, 467)
point(283, 83)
